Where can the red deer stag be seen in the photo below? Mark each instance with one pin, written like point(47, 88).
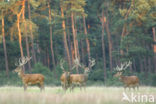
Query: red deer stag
point(29, 79)
point(80, 79)
point(65, 77)
point(129, 81)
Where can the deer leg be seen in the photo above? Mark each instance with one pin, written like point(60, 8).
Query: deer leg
point(125, 87)
point(25, 87)
point(134, 87)
point(84, 86)
point(129, 88)
point(41, 86)
point(80, 85)
point(72, 87)
point(63, 86)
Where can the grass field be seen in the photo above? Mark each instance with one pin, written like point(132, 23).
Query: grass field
point(55, 95)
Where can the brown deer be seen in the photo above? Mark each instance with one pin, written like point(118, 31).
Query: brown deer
point(129, 81)
point(65, 77)
point(29, 79)
point(81, 79)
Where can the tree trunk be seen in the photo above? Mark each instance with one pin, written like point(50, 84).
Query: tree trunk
point(51, 38)
point(48, 59)
point(5, 50)
point(154, 48)
point(81, 43)
point(74, 39)
point(87, 41)
point(82, 51)
point(26, 39)
point(109, 43)
point(19, 34)
point(77, 45)
point(69, 41)
point(103, 48)
point(65, 38)
point(32, 37)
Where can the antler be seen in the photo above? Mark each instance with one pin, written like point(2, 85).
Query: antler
point(77, 63)
point(91, 62)
point(61, 64)
point(123, 66)
point(22, 61)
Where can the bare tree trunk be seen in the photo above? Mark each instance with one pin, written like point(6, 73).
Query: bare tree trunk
point(69, 42)
point(26, 39)
point(32, 37)
point(74, 39)
point(77, 45)
point(65, 39)
point(87, 41)
point(74, 35)
point(81, 43)
point(109, 43)
point(154, 48)
point(5, 50)
point(19, 34)
point(103, 48)
point(82, 51)
point(73, 52)
point(48, 60)
point(51, 39)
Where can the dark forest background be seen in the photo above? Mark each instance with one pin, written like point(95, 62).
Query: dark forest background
point(110, 31)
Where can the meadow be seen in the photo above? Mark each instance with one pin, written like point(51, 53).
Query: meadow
point(55, 95)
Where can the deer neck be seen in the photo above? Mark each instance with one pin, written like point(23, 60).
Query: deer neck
point(85, 74)
point(21, 74)
point(121, 78)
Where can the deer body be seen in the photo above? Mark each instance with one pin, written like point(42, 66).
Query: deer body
point(70, 80)
point(130, 81)
point(79, 79)
point(65, 77)
point(29, 79)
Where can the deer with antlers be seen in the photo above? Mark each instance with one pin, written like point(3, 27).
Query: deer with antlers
point(28, 79)
point(129, 81)
point(65, 77)
point(81, 79)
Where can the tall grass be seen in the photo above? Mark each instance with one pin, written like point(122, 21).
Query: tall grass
point(55, 95)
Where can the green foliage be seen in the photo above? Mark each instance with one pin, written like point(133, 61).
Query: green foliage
point(39, 68)
point(49, 76)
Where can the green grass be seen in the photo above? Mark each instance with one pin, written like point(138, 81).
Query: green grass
point(55, 95)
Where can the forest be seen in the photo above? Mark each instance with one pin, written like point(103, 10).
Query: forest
point(110, 31)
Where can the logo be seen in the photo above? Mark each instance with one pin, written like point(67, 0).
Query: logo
point(141, 98)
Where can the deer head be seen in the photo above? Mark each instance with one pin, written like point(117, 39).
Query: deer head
point(67, 73)
point(21, 62)
point(122, 68)
point(86, 69)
